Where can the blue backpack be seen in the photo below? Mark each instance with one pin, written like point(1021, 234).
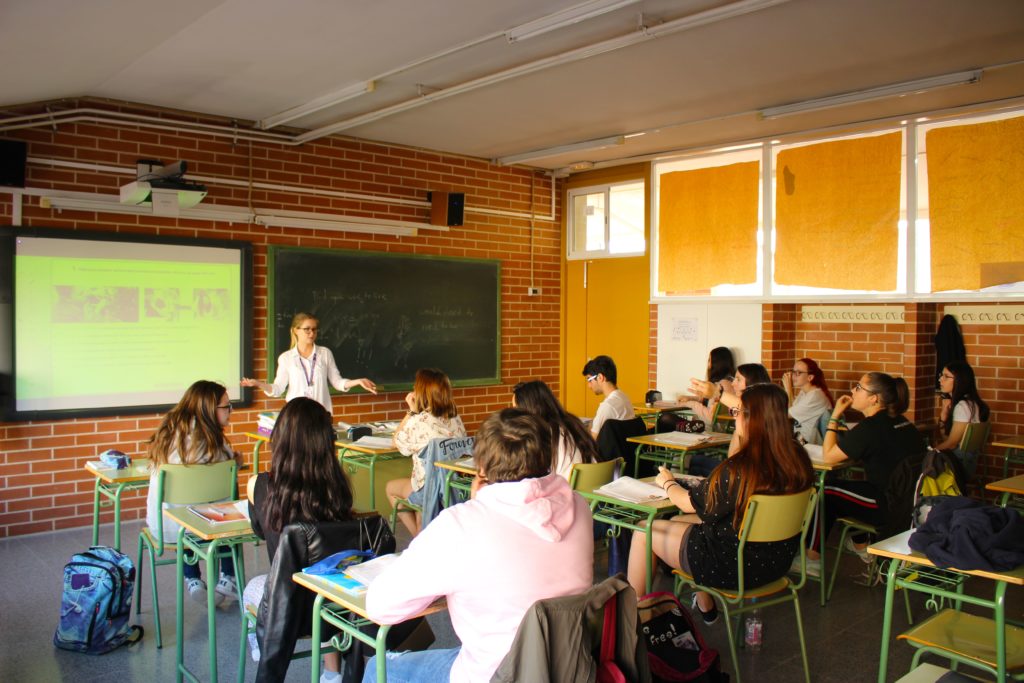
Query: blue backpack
point(96, 602)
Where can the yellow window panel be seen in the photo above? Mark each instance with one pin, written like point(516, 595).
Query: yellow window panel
point(707, 228)
point(976, 203)
point(837, 209)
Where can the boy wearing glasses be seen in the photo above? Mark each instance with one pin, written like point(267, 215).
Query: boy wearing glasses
point(601, 378)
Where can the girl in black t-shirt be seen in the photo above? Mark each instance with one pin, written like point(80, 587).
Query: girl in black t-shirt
point(878, 443)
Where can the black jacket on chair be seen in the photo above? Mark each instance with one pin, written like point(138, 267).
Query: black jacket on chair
point(611, 440)
point(286, 611)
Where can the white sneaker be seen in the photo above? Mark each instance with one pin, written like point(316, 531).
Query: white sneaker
point(813, 567)
point(254, 647)
point(862, 553)
point(196, 589)
point(226, 589)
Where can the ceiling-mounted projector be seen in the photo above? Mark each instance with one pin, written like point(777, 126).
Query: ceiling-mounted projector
point(163, 186)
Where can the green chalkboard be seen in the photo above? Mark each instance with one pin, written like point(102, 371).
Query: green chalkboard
point(385, 315)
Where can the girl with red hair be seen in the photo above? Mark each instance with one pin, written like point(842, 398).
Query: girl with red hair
point(809, 397)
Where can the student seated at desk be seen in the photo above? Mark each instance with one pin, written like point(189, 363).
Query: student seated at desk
point(192, 433)
point(524, 536)
point(602, 378)
point(721, 371)
point(809, 397)
point(961, 406)
point(768, 460)
point(305, 484)
point(432, 415)
point(878, 442)
point(574, 442)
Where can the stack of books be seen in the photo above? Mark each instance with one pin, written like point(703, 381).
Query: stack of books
point(265, 422)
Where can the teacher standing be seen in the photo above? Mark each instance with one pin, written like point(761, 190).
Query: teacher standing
point(306, 369)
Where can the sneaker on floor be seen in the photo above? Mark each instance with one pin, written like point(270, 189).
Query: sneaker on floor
point(813, 567)
point(196, 589)
point(254, 647)
point(862, 553)
point(710, 616)
point(226, 589)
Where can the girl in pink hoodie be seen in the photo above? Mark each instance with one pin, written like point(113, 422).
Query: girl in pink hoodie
point(524, 536)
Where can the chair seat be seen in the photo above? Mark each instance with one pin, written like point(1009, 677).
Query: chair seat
point(924, 673)
point(858, 524)
point(776, 586)
point(968, 636)
point(151, 539)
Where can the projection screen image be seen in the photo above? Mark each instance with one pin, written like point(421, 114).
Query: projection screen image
point(106, 324)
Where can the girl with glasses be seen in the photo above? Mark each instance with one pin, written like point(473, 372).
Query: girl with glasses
point(878, 443)
point(307, 369)
point(809, 397)
point(767, 460)
point(192, 433)
point(961, 406)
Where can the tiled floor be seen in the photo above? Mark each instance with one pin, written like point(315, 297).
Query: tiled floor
point(843, 638)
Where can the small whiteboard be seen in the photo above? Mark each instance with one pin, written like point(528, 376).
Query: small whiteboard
point(687, 332)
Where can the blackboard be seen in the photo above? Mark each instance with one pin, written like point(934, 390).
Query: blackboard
point(385, 315)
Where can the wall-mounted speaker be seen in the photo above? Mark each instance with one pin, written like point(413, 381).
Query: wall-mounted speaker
point(13, 154)
point(446, 208)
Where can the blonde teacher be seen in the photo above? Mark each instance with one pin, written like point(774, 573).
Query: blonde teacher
point(306, 369)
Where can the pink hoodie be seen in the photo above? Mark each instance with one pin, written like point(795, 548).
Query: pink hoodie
point(492, 557)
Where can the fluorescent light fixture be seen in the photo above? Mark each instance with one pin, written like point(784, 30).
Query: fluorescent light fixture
point(881, 92)
point(587, 145)
point(315, 105)
point(566, 17)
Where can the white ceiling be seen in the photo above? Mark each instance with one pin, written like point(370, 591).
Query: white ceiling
point(702, 86)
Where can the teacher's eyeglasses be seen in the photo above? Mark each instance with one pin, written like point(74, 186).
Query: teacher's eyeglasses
point(314, 330)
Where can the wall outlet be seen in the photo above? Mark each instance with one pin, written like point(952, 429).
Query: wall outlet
point(533, 291)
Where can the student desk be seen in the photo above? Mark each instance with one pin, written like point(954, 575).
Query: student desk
point(347, 612)
point(1014, 451)
point(655, 448)
point(205, 540)
point(1014, 486)
point(621, 514)
point(458, 475)
point(112, 483)
point(650, 413)
point(989, 644)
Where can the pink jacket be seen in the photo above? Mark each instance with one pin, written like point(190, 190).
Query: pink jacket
point(492, 557)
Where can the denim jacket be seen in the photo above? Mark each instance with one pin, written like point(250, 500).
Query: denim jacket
point(439, 450)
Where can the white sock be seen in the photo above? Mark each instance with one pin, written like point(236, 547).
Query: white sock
point(330, 676)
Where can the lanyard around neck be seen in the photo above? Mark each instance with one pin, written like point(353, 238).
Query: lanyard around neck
point(312, 368)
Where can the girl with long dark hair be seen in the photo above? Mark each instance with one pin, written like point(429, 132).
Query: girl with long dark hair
point(720, 374)
point(961, 406)
point(305, 484)
point(767, 460)
point(574, 442)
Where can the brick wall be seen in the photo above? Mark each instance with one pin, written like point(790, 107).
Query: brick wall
point(43, 485)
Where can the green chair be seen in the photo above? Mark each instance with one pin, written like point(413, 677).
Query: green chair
point(589, 476)
point(767, 519)
point(972, 446)
point(181, 485)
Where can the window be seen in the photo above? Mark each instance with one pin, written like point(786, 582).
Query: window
point(607, 221)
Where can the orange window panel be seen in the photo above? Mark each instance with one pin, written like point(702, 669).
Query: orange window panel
point(975, 202)
point(837, 209)
point(707, 227)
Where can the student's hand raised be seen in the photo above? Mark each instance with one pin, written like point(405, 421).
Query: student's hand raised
point(842, 404)
point(787, 380)
point(702, 388)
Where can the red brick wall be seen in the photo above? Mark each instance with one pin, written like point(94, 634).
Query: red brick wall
point(43, 485)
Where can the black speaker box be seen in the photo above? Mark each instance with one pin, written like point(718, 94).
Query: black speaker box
point(13, 154)
point(447, 208)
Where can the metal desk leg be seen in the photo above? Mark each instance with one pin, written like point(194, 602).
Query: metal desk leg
point(650, 551)
point(821, 533)
point(179, 604)
point(373, 482)
point(96, 512)
point(314, 653)
point(890, 592)
point(256, 457)
point(1000, 615)
point(381, 650)
point(211, 607)
point(117, 516)
point(447, 496)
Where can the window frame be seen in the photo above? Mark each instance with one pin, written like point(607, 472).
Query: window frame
point(572, 254)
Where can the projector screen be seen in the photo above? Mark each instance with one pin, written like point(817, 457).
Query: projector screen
point(107, 324)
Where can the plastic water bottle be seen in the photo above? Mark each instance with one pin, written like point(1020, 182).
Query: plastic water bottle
point(753, 630)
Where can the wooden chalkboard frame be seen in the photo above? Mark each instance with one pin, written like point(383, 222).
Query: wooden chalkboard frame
point(272, 313)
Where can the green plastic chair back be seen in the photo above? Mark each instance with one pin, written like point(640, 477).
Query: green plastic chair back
point(975, 437)
point(591, 475)
point(774, 518)
point(194, 484)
